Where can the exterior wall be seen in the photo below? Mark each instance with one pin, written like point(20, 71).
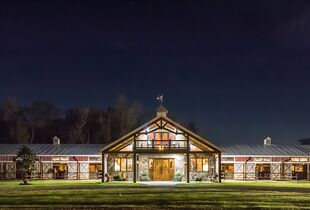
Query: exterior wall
point(179, 166)
point(275, 170)
point(45, 169)
point(78, 167)
point(84, 170)
point(72, 170)
point(10, 170)
point(250, 171)
point(128, 175)
point(239, 171)
point(212, 168)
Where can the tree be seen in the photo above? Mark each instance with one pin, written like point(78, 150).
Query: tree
point(25, 160)
point(38, 115)
point(127, 114)
point(19, 132)
point(305, 141)
point(192, 127)
point(77, 119)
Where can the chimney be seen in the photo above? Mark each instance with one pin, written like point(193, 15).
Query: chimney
point(56, 140)
point(267, 141)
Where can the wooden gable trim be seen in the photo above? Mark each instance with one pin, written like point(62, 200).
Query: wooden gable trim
point(154, 121)
point(195, 136)
point(131, 134)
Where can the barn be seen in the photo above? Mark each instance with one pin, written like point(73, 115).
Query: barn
point(161, 150)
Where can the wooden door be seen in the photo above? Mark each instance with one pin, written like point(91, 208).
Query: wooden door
point(163, 169)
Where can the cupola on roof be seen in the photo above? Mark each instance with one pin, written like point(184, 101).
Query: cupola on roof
point(161, 111)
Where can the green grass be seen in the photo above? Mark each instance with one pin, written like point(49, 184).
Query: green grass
point(93, 194)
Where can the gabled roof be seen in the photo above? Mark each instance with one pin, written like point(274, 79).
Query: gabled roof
point(53, 149)
point(161, 108)
point(155, 119)
point(267, 150)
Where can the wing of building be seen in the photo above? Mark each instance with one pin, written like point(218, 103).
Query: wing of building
point(161, 150)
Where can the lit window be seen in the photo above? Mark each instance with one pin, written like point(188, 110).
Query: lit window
point(117, 164)
point(205, 164)
point(164, 136)
point(171, 136)
point(129, 164)
point(150, 136)
point(123, 164)
point(199, 164)
point(193, 164)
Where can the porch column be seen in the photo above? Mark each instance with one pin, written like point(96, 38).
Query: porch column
point(187, 168)
point(103, 166)
point(219, 167)
point(308, 171)
point(134, 167)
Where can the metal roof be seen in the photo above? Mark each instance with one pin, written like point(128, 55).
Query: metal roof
point(54, 149)
point(94, 149)
point(267, 150)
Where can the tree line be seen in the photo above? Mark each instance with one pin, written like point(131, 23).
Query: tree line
point(40, 121)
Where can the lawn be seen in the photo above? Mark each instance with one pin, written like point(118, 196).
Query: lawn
point(94, 195)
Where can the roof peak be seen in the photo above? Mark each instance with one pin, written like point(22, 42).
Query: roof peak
point(161, 111)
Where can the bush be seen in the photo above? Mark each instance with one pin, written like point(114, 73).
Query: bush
point(117, 178)
point(145, 177)
point(198, 179)
point(177, 177)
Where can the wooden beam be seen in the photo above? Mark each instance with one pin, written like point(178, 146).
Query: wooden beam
point(134, 160)
point(187, 168)
point(134, 167)
point(219, 167)
point(102, 161)
point(187, 161)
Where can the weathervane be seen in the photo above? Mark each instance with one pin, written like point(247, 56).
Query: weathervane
point(161, 99)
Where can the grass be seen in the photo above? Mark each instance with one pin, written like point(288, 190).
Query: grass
point(93, 194)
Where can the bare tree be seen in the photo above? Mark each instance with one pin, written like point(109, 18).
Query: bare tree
point(76, 131)
point(127, 114)
point(38, 115)
point(17, 130)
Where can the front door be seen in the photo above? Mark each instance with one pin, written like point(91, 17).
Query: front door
point(163, 169)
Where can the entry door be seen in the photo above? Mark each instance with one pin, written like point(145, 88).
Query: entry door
point(163, 169)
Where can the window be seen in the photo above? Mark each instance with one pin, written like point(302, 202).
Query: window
point(298, 168)
point(171, 136)
point(199, 164)
point(164, 136)
point(299, 159)
point(60, 158)
point(123, 164)
point(129, 164)
point(150, 136)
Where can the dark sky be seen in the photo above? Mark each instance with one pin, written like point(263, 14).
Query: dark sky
point(239, 69)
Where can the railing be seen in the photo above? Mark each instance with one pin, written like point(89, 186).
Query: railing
point(263, 176)
point(161, 144)
point(42, 175)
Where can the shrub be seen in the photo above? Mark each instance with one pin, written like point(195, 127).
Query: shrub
point(177, 177)
point(145, 177)
point(198, 179)
point(117, 178)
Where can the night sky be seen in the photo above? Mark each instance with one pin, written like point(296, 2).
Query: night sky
point(239, 69)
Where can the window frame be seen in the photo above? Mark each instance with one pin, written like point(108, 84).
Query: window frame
point(121, 161)
point(195, 168)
